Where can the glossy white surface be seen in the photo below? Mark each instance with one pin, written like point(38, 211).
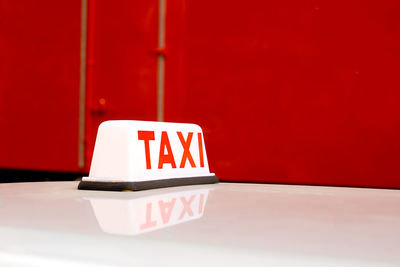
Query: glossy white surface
point(53, 224)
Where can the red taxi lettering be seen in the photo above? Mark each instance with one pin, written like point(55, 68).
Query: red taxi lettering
point(146, 136)
point(166, 215)
point(149, 223)
point(166, 155)
point(200, 138)
point(186, 207)
point(186, 152)
point(165, 158)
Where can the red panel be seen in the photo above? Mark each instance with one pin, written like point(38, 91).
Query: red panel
point(290, 91)
point(121, 63)
point(39, 83)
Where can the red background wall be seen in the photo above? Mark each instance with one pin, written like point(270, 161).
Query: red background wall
point(121, 76)
point(288, 91)
point(39, 81)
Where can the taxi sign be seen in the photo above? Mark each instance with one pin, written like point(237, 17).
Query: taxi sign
point(139, 155)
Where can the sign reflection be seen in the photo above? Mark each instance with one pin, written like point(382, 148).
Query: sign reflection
point(148, 213)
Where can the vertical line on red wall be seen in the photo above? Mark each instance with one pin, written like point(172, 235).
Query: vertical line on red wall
point(90, 62)
point(161, 59)
point(82, 86)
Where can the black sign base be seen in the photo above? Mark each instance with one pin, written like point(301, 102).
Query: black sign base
point(138, 186)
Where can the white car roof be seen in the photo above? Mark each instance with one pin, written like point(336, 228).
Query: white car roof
point(226, 224)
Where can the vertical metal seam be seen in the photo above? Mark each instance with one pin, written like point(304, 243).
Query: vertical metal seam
point(160, 87)
point(82, 86)
point(161, 60)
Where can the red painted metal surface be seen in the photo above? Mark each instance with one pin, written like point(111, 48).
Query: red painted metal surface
point(121, 80)
point(289, 91)
point(39, 83)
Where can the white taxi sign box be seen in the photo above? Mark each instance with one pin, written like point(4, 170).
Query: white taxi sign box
point(146, 214)
point(140, 155)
